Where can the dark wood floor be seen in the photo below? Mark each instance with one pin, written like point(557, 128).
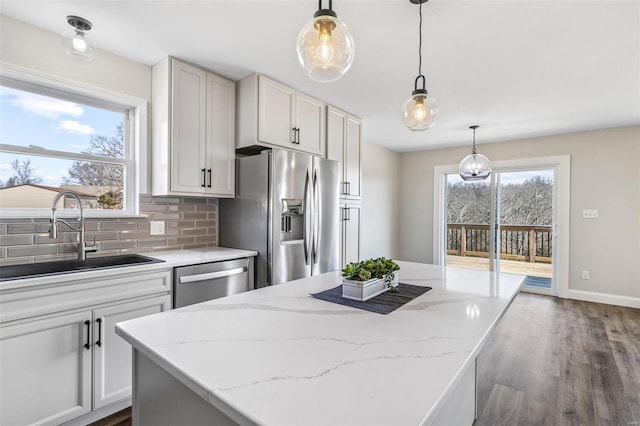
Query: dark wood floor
point(554, 361)
point(121, 418)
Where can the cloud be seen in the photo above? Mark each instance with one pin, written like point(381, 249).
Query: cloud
point(43, 105)
point(75, 127)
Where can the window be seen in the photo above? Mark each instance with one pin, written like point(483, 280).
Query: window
point(52, 140)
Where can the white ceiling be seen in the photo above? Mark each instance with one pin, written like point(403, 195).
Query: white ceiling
point(517, 68)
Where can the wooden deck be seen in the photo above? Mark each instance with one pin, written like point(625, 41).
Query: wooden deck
point(510, 266)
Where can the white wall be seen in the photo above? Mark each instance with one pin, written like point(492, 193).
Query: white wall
point(605, 175)
point(380, 202)
point(35, 49)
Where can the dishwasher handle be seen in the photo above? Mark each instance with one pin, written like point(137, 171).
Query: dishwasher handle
point(211, 275)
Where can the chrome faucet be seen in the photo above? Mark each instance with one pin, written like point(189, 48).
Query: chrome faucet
point(53, 230)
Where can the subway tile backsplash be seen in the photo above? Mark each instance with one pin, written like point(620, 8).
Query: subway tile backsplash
point(189, 223)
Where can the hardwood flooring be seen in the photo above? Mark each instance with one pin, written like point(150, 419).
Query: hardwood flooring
point(555, 361)
point(121, 418)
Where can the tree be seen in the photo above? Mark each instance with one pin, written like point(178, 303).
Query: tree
point(23, 174)
point(95, 173)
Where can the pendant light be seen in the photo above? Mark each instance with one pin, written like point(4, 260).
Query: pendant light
point(420, 111)
point(325, 46)
point(76, 42)
point(474, 166)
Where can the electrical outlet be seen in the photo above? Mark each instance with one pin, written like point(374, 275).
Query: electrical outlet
point(585, 275)
point(590, 214)
point(156, 227)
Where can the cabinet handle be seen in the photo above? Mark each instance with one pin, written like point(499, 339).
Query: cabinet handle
point(294, 135)
point(298, 135)
point(204, 171)
point(99, 342)
point(348, 188)
point(88, 344)
point(209, 184)
point(348, 213)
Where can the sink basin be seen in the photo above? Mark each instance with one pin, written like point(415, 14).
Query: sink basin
point(31, 270)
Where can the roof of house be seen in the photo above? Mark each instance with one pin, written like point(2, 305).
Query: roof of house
point(49, 188)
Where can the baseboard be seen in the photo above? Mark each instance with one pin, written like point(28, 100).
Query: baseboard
point(609, 299)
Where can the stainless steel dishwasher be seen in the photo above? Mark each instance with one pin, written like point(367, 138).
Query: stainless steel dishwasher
point(206, 281)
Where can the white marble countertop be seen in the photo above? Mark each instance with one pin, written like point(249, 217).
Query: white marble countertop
point(171, 259)
point(278, 356)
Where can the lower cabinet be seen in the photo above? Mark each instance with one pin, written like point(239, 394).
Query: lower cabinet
point(59, 366)
point(349, 233)
point(111, 353)
point(46, 370)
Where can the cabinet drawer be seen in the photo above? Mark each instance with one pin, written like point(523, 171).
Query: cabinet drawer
point(73, 294)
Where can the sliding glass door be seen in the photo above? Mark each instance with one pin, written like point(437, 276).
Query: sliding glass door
point(504, 224)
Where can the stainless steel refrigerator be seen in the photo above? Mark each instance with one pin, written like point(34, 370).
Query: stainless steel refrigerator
point(286, 208)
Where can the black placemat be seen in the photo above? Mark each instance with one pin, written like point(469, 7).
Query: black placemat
point(381, 304)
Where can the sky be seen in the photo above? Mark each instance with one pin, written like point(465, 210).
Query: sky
point(30, 119)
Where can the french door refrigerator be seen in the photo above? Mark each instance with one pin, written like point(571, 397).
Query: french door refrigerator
point(286, 208)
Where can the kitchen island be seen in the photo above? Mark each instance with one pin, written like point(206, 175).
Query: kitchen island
point(278, 356)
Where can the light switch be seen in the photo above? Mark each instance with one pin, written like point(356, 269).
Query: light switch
point(590, 214)
point(156, 227)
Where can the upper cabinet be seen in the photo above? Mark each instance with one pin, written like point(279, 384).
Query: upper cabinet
point(343, 145)
point(193, 131)
point(274, 115)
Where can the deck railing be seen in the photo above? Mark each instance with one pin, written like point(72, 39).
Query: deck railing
point(525, 243)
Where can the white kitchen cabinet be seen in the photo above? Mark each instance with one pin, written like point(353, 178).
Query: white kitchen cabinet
point(46, 370)
point(111, 354)
point(59, 355)
point(193, 136)
point(271, 114)
point(350, 218)
point(343, 145)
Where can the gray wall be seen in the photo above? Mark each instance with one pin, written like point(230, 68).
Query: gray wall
point(380, 202)
point(605, 175)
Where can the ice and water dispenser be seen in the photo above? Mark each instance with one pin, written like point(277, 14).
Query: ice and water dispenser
point(291, 220)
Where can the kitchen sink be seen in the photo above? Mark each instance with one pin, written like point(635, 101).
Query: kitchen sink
point(31, 270)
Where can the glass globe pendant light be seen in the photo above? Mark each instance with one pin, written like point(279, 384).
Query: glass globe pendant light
point(325, 46)
point(474, 166)
point(420, 111)
point(75, 40)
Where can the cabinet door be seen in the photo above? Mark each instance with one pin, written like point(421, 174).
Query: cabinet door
point(112, 354)
point(188, 128)
point(352, 157)
point(275, 113)
point(221, 124)
point(350, 234)
point(336, 133)
point(310, 123)
point(46, 370)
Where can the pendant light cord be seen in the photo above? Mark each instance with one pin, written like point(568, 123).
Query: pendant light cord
point(420, 43)
point(473, 151)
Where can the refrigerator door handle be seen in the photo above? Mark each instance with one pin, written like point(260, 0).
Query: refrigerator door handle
point(316, 220)
point(306, 225)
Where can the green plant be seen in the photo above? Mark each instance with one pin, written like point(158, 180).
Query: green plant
point(381, 268)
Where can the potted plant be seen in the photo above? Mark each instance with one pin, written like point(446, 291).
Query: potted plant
point(369, 278)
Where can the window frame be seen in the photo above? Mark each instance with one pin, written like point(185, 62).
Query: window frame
point(135, 129)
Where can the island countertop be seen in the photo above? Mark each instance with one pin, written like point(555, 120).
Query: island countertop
point(278, 356)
